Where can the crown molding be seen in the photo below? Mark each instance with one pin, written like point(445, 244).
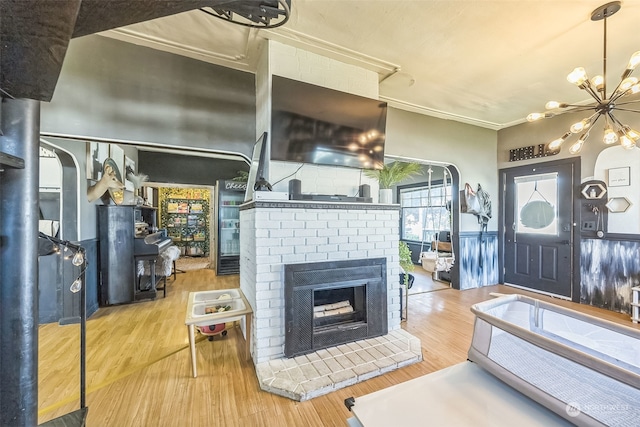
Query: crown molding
point(330, 50)
point(420, 109)
point(239, 62)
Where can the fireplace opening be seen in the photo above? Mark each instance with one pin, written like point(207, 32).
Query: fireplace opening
point(339, 306)
point(332, 303)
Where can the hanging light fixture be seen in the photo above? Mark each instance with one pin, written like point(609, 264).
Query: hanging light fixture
point(604, 106)
point(252, 13)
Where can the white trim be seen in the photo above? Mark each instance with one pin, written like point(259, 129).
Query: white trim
point(238, 62)
point(75, 162)
point(415, 108)
point(331, 50)
point(152, 146)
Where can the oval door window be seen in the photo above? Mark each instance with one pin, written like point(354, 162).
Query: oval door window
point(537, 214)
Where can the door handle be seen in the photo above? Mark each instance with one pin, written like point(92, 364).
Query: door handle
point(564, 242)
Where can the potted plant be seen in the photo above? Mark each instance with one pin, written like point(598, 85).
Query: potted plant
point(390, 175)
point(406, 264)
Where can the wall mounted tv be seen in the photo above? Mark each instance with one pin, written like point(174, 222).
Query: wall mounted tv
point(313, 124)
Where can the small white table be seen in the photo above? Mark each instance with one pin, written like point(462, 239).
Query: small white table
point(196, 315)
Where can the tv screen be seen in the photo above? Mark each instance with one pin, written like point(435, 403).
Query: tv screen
point(313, 124)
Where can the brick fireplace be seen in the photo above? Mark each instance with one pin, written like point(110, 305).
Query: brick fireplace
point(350, 251)
point(279, 233)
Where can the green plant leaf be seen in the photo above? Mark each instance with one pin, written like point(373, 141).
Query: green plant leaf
point(394, 173)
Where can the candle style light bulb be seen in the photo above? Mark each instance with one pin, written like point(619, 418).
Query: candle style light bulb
point(551, 105)
point(627, 142)
point(610, 137)
point(634, 61)
point(580, 126)
point(78, 259)
point(627, 83)
point(535, 117)
point(577, 146)
point(578, 76)
point(598, 82)
point(556, 143)
point(76, 285)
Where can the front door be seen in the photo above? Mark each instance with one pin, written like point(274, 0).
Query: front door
point(537, 247)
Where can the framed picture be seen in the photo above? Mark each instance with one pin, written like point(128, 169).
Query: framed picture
point(129, 167)
point(97, 153)
point(117, 154)
point(619, 177)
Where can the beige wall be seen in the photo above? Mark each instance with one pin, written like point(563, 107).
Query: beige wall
point(470, 148)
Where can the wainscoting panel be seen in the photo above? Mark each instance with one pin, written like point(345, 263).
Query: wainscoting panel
point(478, 259)
point(608, 271)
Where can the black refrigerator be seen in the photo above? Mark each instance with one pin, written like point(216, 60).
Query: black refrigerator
point(229, 197)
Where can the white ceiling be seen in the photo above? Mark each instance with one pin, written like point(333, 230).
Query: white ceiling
point(488, 63)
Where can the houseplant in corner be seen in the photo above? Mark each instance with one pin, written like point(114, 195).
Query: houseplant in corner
point(392, 174)
point(406, 264)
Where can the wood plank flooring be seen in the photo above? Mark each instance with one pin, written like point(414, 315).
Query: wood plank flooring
point(138, 365)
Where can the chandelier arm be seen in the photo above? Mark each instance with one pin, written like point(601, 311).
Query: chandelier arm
point(627, 109)
point(627, 102)
point(614, 120)
point(593, 94)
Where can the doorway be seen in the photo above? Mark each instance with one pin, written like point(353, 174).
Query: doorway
point(539, 248)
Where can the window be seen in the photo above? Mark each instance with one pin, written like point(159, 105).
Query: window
point(424, 213)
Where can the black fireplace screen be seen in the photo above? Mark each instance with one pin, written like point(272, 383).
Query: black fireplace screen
point(332, 303)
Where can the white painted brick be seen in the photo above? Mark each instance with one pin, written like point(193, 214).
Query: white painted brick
point(375, 253)
point(262, 268)
point(292, 259)
point(261, 323)
point(276, 303)
point(266, 295)
point(262, 251)
point(347, 216)
point(328, 248)
point(276, 323)
point(268, 242)
point(338, 239)
point(311, 257)
point(304, 249)
point(337, 255)
point(367, 231)
point(263, 304)
point(383, 245)
point(348, 247)
point(328, 232)
point(366, 246)
point(281, 232)
point(307, 215)
point(383, 216)
point(275, 285)
point(337, 224)
point(358, 239)
point(366, 216)
point(328, 216)
point(269, 259)
point(376, 224)
point(376, 238)
point(316, 224)
point(259, 233)
point(348, 232)
point(317, 241)
point(284, 250)
point(304, 232)
point(294, 241)
point(281, 216)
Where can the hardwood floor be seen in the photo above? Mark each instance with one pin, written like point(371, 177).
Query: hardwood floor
point(138, 363)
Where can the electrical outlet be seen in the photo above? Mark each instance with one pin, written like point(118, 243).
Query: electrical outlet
point(589, 225)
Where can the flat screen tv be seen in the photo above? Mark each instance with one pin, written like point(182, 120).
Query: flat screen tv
point(313, 124)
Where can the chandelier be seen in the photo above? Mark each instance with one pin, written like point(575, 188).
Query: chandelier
point(605, 105)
